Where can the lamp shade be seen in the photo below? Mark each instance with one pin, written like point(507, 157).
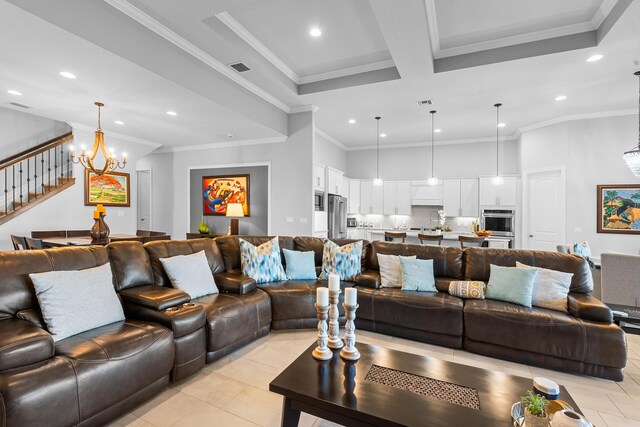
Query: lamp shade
point(235, 210)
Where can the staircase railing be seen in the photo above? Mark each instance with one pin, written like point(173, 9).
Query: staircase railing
point(34, 172)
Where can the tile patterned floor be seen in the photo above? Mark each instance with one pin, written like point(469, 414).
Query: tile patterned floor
point(233, 391)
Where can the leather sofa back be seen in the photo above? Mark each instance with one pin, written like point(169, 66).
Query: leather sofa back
point(478, 261)
point(230, 248)
point(316, 244)
point(130, 264)
point(447, 261)
point(16, 290)
point(168, 248)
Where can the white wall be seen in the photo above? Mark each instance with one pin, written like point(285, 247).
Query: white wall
point(327, 153)
point(291, 171)
point(19, 131)
point(592, 152)
point(66, 210)
point(451, 161)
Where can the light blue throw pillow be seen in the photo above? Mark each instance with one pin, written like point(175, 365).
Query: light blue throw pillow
point(417, 275)
point(300, 265)
point(511, 284)
point(262, 263)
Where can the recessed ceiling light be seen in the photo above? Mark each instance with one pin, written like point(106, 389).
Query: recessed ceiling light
point(172, 113)
point(595, 58)
point(67, 75)
point(352, 121)
point(119, 122)
point(437, 130)
point(561, 97)
point(315, 32)
point(383, 135)
point(14, 92)
point(501, 125)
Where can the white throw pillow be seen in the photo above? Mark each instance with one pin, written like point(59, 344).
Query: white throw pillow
point(390, 271)
point(77, 301)
point(191, 274)
point(550, 288)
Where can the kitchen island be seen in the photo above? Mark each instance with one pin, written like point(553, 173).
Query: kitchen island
point(449, 238)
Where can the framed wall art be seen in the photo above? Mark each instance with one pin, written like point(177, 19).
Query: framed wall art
point(108, 189)
point(219, 191)
point(619, 209)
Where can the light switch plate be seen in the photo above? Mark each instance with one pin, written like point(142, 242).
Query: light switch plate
point(289, 219)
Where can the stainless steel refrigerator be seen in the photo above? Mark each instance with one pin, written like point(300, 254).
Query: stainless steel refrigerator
point(337, 214)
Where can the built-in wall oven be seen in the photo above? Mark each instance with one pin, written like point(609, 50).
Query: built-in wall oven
point(318, 201)
point(501, 222)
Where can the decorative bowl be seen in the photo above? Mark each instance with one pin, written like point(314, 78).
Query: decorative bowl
point(483, 233)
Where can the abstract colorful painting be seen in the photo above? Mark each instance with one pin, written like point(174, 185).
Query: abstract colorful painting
point(109, 189)
point(619, 209)
point(219, 191)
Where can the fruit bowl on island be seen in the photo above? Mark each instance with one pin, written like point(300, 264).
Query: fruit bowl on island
point(483, 233)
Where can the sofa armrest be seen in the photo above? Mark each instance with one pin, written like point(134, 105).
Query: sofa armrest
point(235, 283)
point(586, 307)
point(23, 343)
point(369, 279)
point(155, 297)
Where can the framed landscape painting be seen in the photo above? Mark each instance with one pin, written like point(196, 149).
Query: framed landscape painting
point(619, 209)
point(219, 191)
point(109, 189)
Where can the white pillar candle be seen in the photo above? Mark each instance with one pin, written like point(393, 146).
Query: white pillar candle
point(334, 282)
point(351, 296)
point(322, 297)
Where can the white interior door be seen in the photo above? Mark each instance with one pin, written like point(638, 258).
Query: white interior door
point(144, 199)
point(546, 210)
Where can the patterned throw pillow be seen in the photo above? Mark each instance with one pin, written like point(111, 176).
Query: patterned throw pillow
point(262, 263)
point(467, 289)
point(341, 260)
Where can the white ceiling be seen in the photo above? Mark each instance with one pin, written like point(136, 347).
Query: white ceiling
point(355, 32)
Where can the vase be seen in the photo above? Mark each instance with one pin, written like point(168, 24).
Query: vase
point(99, 234)
point(203, 227)
point(106, 226)
point(531, 420)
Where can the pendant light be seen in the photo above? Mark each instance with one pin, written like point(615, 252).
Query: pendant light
point(632, 157)
point(433, 180)
point(497, 180)
point(377, 181)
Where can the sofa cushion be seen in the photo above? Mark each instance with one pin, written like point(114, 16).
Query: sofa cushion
point(316, 244)
point(478, 261)
point(115, 361)
point(230, 248)
point(417, 275)
point(550, 288)
point(545, 332)
point(300, 265)
point(511, 284)
point(390, 270)
point(262, 263)
point(77, 301)
point(345, 261)
point(131, 265)
point(22, 343)
point(191, 274)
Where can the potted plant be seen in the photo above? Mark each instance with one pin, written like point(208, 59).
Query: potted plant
point(535, 410)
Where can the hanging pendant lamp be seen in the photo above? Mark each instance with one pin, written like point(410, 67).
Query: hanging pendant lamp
point(432, 180)
point(632, 157)
point(377, 181)
point(497, 180)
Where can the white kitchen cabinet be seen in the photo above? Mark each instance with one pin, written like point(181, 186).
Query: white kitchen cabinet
point(343, 186)
point(469, 198)
point(335, 182)
point(377, 199)
point(498, 244)
point(321, 234)
point(397, 198)
point(318, 177)
point(499, 195)
point(353, 199)
point(423, 194)
point(354, 233)
point(371, 198)
point(451, 197)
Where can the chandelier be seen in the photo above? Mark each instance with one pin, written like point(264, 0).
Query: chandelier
point(632, 157)
point(87, 159)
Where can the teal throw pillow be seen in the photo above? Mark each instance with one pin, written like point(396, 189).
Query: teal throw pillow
point(300, 265)
point(345, 261)
point(262, 263)
point(511, 284)
point(417, 274)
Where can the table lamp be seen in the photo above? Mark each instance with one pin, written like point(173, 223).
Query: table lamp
point(235, 211)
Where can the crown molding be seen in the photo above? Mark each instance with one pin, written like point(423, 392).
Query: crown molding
point(224, 144)
point(602, 12)
point(572, 117)
point(127, 138)
point(329, 138)
point(179, 41)
point(432, 24)
point(428, 144)
point(358, 69)
point(257, 45)
point(304, 109)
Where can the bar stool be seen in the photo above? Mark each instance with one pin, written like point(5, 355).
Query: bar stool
point(471, 241)
point(390, 236)
point(34, 243)
point(431, 239)
point(19, 243)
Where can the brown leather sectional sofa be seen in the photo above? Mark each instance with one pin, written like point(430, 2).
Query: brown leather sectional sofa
point(98, 375)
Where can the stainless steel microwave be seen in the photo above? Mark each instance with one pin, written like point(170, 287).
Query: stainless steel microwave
point(318, 201)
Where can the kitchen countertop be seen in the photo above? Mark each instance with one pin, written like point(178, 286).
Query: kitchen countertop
point(447, 235)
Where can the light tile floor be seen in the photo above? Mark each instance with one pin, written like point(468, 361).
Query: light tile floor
point(234, 391)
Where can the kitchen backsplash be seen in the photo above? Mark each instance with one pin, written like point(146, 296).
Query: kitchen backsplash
point(421, 217)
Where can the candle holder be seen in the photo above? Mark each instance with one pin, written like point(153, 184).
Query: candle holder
point(335, 343)
point(349, 351)
point(322, 352)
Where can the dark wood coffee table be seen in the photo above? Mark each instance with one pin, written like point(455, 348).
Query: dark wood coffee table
point(632, 317)
point(358, 394)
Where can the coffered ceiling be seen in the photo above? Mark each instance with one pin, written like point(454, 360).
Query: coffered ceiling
point(374, 57)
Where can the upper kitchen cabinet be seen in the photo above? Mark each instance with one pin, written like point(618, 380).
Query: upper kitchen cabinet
point(460, 197)
point(371, 198)
point(353, 198)
point(499, 195)
point(397, 198)
point(318, 177)
point(335, 182)
point(423, 194)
